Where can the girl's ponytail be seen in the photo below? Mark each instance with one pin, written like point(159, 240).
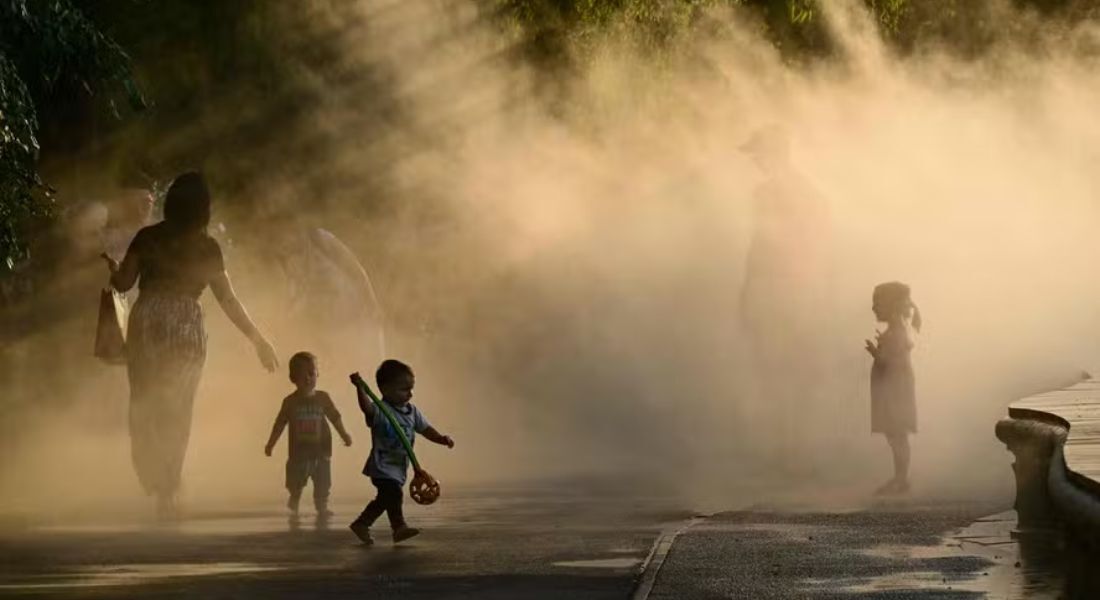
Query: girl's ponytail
point(916, 321)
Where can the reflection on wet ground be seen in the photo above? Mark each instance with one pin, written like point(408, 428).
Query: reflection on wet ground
point(116, 575)
point(551, 545)
point(913, 549)
point(1034, 564)
point(601, 563)
point(520, 543)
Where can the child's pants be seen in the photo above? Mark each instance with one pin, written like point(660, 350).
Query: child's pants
point(387, 501)
point(301, 470)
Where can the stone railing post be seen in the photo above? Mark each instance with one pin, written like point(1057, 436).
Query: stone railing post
point(1032, 443)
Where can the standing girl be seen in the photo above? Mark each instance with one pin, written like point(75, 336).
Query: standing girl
point(893, 389)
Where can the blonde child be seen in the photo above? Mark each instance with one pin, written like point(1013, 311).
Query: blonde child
point(307, 411)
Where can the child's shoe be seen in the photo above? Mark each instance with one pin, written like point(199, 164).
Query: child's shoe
point(322, 510)
point(404, 532)
point(362, 531)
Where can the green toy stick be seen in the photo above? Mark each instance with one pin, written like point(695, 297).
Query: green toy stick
point(424, 488)
point(363, 387)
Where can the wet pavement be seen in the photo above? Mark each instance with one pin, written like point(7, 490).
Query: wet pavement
point(539, 543)
point(496, 544)
point(891, 550)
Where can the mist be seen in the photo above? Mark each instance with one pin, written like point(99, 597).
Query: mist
point(564, 265)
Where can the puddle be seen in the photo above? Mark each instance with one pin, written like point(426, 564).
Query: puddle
point(1037, 565)
point(229, 526)
point(601, 563)
point(901, 552)
point(790, 531)
point(469, 510)
point(119, 575)
point(894, 582)
point(625, 551)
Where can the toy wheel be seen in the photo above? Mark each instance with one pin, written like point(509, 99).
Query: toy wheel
point(424, 489)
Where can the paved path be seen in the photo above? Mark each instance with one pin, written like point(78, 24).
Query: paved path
point(919, 551)
point(543, 544)
point(499, 544)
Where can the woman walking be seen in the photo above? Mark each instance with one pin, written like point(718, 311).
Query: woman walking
point(172, 262)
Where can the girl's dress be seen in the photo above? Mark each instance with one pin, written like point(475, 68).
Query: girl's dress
point(893, 387)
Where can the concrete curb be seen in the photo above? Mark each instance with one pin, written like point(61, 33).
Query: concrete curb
point(647, 578)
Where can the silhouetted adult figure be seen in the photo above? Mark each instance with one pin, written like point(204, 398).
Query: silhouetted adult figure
point(172, 262)
point(785, 298)
point(330, 299)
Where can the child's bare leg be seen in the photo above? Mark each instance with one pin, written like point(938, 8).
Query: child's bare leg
point(899, 444)
point(322, 483)
point(297, 475)
point(899, 447)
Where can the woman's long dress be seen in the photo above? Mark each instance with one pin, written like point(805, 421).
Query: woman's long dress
point(166, 348)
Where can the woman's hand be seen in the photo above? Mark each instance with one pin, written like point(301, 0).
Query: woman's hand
point(268, 358)
point(112, 264)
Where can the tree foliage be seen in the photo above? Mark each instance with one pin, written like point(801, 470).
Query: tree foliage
point(19, 204)
point(241, 78)
point(553, 26)
point(50, 53)
point(553, 30)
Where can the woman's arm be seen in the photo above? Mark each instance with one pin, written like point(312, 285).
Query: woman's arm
point(227, 299)
point(124, 275)
point(339, 253)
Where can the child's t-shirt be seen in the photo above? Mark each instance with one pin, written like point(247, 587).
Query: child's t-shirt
point(388, 458)
point(307, 418)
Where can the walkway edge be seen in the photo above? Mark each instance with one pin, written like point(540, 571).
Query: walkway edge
point(657, 554)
